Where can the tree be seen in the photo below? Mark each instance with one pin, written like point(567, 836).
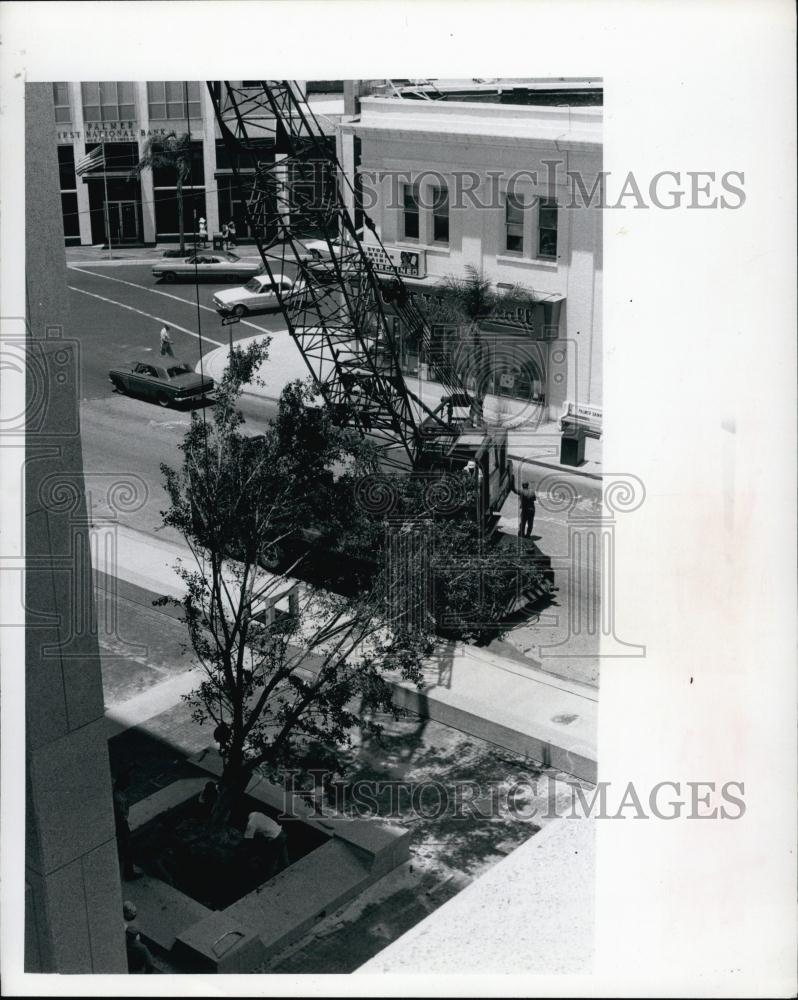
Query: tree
point(469, 301)
point(276, 684)
point(170, 152)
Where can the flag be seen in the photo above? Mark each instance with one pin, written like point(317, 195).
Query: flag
point(96, 158)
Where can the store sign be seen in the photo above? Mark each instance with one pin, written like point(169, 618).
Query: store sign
point(409, 263)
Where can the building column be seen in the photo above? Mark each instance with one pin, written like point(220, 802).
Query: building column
point(147, 193)
point(73, 911)
point(345, 151)
point(209, 162)
point(79, 150)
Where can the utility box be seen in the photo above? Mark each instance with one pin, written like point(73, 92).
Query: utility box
point(218, 241)
point(572, 448)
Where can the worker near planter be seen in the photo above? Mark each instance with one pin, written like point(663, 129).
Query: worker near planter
point(267, 840)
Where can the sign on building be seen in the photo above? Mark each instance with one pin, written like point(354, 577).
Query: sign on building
point(409, 263)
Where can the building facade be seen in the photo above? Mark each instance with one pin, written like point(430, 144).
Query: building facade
point(455, 185)
point(107, 200)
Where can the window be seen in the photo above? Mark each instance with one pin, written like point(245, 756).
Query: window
point(69, 212)
point(325, 86)
point(174, 99)
point(108, 102)
point(66, 168)
point(547, 229)
point(410, 212)
point(63, 111)
point(514, 222)
point(118, 156)
point(440, 215)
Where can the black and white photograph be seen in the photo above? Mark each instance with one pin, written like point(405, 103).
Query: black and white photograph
point(389, 585)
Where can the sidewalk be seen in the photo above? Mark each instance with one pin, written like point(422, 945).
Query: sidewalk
point(506, 702)
point(529, 440)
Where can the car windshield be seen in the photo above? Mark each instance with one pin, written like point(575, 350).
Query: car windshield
point(232, 256)
point(176, 370)
point(253, 285)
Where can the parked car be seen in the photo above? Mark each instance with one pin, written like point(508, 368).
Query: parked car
point(258, 293)
point(167, 383)
point(218, 264)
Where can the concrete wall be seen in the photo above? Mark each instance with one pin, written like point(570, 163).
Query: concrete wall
point(73, 919)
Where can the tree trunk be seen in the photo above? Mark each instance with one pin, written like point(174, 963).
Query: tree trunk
point(232, 785)
point(180, 218)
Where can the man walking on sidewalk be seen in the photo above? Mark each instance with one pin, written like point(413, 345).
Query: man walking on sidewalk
point(527, 501)
point(166, 341)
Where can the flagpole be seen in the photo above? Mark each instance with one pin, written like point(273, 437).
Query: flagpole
point(105, 186)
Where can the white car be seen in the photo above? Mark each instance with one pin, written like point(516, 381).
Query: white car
point(220, 265)
point(258, 293)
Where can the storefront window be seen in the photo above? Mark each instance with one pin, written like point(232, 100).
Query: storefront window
point(118, 156)
point(167, 176)
point(167, 216)
point(66, 168)
point(69, 211)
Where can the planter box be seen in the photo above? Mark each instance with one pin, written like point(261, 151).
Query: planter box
point(241, 937)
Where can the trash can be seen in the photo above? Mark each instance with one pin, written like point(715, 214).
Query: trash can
point(572, 447)
point(218, 241)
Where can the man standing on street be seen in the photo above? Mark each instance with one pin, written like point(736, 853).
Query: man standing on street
point(166, 341)
point(528, 500)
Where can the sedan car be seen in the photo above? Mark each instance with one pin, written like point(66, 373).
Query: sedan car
point(219, 264)
point(258, 293)
point(167, 383)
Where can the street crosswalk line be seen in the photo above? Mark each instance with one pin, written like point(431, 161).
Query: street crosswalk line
point(141, 312)
point(168, 295)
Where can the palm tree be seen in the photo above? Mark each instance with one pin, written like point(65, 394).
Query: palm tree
point(170, 152)
point(470, 300)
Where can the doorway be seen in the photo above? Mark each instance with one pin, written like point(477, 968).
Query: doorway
point(123, 221)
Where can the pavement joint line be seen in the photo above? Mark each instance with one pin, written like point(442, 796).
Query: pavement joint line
point(168, 295)
point(158, 319)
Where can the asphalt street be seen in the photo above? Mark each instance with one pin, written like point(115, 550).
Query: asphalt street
point(117, 310)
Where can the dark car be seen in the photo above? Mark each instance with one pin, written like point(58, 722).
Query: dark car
point(174, 382)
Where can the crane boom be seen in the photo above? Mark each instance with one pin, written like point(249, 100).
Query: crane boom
point(290, 180)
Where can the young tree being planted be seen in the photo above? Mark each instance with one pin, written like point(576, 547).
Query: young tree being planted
point(288, 669)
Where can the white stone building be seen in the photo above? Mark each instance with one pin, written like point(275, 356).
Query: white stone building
point(453, 183)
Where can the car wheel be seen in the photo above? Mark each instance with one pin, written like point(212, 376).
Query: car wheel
point(162, 399)
point(169, 277)
point(240, 311)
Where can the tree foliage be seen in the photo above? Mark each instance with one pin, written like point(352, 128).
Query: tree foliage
point(468, 302)
point(278, 682)
point(170, 152)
